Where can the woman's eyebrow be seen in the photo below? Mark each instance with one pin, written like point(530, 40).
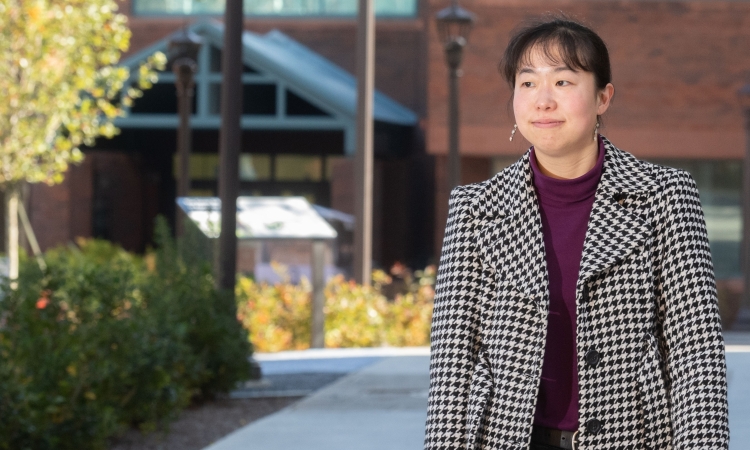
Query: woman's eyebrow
point(557, 69)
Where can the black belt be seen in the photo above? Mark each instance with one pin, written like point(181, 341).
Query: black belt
point(557, 438)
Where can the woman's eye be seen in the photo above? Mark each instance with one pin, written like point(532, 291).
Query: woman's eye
point(526, 84)
point(562, 83)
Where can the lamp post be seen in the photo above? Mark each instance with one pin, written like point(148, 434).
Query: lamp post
point(744, 97)
point(453, 24)
point(183, 49)
point(230, 140)
point(363, 160)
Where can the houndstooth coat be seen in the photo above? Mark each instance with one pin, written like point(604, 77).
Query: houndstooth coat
point(651, 365)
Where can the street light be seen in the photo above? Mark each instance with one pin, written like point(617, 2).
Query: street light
point(454, 24)
point(183, 53)
point(744, 97)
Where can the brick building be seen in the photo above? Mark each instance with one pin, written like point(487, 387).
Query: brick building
point(677, 66)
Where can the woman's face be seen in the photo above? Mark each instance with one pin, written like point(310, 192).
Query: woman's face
point(556, 107)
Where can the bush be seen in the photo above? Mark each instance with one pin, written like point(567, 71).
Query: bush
point(184, 286)
point(97, 342)
point(278, 316)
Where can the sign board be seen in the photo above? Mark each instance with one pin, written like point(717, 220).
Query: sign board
point(260, 217)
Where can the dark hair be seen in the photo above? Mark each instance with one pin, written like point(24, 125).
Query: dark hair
point(576, 45)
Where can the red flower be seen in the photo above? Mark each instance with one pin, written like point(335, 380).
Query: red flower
point(43, 300)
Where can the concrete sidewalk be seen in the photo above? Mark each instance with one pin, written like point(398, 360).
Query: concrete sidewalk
point(382, 405)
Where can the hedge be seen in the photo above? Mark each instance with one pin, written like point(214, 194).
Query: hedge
point(102, 340)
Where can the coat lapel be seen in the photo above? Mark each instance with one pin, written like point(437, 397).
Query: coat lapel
point(615, 231)
point(513, 235)
point(510, 210)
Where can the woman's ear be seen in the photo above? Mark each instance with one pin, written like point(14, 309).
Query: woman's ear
point(604, 98)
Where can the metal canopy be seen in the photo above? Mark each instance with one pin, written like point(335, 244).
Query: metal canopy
point(290, 65)
point(260, 217)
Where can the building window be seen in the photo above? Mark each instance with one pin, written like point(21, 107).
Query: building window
point(298, 106)
point(160, 99)
point(298, 168)
point(205, 167)
point(258, 99)
point(255, 167)
point(270, 8)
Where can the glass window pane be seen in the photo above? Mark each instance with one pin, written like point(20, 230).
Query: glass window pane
point(214, 60)
point(302, 8)
point(259, 99)
point(255, 167)
point(203, 166)
point(161, 98)
point(298, 106)
point(182, 7)
point(298, 168)
point(214, 98)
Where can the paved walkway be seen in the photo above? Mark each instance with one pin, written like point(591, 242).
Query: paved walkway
point(380, 401)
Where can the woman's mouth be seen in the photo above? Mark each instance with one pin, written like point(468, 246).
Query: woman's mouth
point(547, 123)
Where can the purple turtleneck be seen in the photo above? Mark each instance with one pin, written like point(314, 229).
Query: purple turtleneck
point(565, 206)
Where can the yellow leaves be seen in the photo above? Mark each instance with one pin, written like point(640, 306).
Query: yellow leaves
point(278, 316)
point(61, 87)
point(34, 13)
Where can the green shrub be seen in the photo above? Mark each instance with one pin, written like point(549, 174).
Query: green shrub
point(184, 285)
point(99, 342)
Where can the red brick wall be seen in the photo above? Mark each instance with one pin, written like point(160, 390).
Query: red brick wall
point(676, 70)
point(473, 169)
point(60, 213)
point(112, 180)
point(118, 186)
point(342, 185)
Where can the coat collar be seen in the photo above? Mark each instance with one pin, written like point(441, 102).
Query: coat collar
point(504, 193)
point(614, 231)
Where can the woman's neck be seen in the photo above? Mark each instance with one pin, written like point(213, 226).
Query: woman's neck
point(569, 165)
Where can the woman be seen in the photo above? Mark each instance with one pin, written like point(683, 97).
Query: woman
point(575, 302)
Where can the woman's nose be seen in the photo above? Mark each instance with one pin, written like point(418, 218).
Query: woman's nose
point(545, 100)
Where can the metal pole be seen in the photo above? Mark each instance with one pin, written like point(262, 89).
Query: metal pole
point(364, 156)
point(184, 69)
point(454, 159)
point(12, 193)
point(745, 250)
point(453, 55)
point(229, 143)
point(318, 294)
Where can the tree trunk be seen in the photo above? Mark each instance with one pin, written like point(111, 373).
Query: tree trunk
point(11, 228)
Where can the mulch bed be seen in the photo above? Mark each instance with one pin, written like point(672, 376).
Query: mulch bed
point(200, 426)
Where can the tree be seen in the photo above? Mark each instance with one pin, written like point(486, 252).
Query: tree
point(60, 88)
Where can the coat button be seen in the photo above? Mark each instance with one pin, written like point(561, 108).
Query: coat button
point(593, 357)
point(594, 426)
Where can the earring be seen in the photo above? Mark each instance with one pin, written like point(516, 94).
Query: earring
point(596, 129)
point(512, 133)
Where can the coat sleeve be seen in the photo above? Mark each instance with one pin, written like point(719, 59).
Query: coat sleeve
point(454, 336)
point(690, 326)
